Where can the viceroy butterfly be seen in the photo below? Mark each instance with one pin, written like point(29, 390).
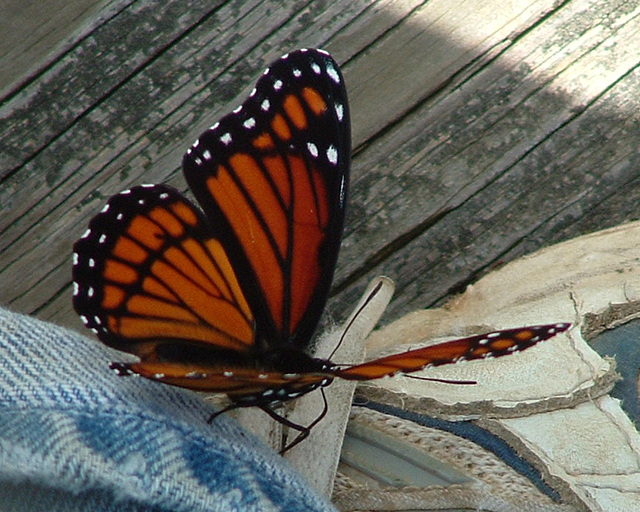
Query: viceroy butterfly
point(226, 299)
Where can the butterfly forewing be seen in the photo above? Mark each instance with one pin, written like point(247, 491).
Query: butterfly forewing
point(272, 176)
point(149, 270)
point(484, 346)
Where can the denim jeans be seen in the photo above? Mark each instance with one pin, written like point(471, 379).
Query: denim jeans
point(75, 436)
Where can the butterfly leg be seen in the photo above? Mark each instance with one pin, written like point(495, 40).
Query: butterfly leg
point(304, 431)
point(230, 407)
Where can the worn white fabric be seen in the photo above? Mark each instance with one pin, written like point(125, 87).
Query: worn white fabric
point(75, 436)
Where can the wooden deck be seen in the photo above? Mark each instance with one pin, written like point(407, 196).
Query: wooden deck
point(482, 130)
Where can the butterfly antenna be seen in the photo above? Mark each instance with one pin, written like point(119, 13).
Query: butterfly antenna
point(354, 317)
point(444, 381)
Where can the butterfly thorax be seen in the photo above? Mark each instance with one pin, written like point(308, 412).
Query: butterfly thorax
point(292, 360)
point(282, 374)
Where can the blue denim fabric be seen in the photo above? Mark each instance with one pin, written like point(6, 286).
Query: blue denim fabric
point(75, 436)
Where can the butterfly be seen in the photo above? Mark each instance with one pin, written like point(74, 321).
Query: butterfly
point(225, 297)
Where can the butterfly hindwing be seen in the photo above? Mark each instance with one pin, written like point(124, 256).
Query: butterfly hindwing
point(273, 178)
point(149, 270)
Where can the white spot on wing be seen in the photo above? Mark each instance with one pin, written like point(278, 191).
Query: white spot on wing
point(333, 74)
point(226, 139)
point(313, 149)
point(332, 155)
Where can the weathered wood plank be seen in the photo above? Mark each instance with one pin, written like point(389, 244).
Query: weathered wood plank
point(31, 32)
point(140, 128)
point(501, 161)
point(480, 133)
point(429, 46)
point(73, 85)
point(133, 132)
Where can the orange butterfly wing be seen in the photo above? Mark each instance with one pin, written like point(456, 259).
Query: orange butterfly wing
point(484, 346)
point(272, 176)
point(205, 301)
point(149, 272)
point(235, 381)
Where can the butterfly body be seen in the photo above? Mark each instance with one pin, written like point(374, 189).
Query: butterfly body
point(225, 296)
point(265, 379)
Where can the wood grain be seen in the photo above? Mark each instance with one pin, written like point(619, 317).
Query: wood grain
point(480, 133)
